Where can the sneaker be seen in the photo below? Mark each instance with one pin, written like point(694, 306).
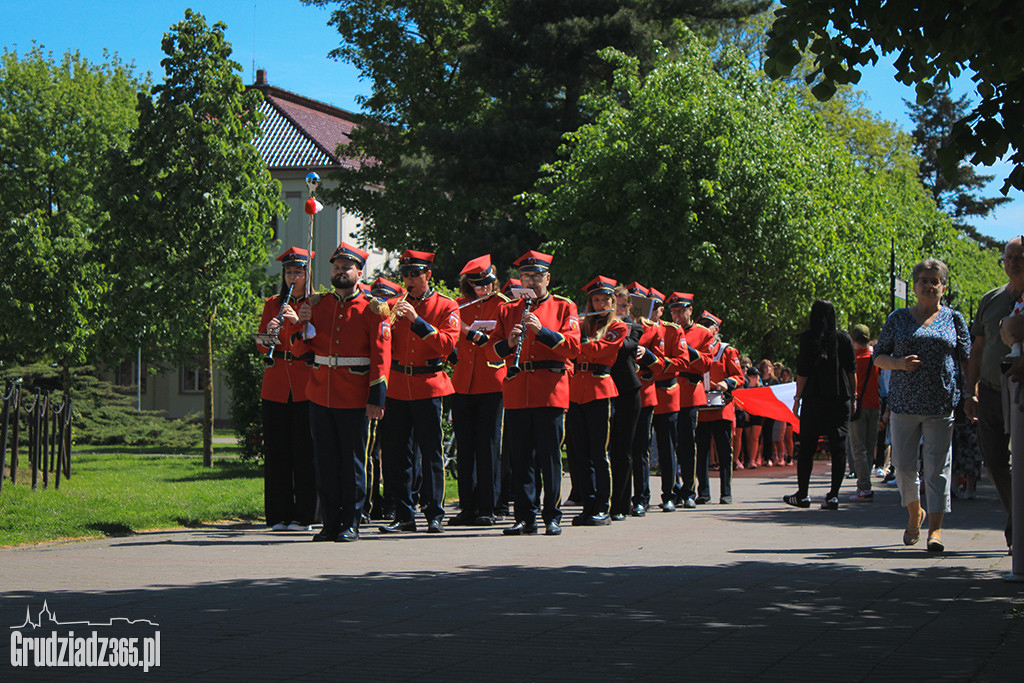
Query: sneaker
point(851, 475)
point(831, 503)
point(862, 496)
point(296, 526)
point(878, 472)
point(280, 526)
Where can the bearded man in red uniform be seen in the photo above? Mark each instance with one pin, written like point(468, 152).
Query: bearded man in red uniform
point(347, 387)
point(424, 333)
point(536, 343)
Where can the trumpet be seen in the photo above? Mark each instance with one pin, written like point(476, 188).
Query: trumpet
point(515, 368)
point(394, 312)
point(279, 318)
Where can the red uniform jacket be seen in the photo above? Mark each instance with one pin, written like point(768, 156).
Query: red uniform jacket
point(652, 340)
point(475, 372)
point(725, 366)
point(672, 355)
point(545, 385)
point(871, 400)
point(592, 383)
point(346, 328)
point(691, 378)
point(287, 376)
point(422, 343)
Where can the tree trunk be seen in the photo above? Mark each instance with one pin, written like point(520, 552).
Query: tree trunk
point(207, 373)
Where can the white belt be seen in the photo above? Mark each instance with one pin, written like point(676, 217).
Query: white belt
point(341, 361)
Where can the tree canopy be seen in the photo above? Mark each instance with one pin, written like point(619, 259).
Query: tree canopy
point(933, 42)
point(192, 208)
point(470, 99)
point(718, 183)
point(59, 121)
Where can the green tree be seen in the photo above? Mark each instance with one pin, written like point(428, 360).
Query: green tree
point(193, 207)
point(59, 120)
point(934, 42)
point(957, 192)
point(713, 181)
point(470, 99)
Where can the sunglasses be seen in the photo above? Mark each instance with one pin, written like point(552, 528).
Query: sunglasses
point(412, 271)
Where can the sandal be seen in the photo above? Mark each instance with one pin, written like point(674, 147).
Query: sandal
point(913, 534)
point(935, 544)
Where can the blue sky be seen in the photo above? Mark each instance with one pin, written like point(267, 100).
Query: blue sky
point(291, 41)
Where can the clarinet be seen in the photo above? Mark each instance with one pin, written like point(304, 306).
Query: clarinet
point(280, 318)
point(515, 369)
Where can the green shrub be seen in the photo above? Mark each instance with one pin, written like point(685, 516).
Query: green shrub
point(104, 414)
point(243, 374)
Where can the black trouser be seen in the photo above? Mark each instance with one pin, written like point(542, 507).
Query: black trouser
point(822, 417)
point(374, 499)
point(686, 451)
point(665, 430)
point(339, 444)
point(535, 448)
point(289, 476)
point(625, 411)
point(477, 422)
point(590, 426)
point(642, 457)
point(721, 432)
point(412, 429)
point(880, 441)
point(994, 444)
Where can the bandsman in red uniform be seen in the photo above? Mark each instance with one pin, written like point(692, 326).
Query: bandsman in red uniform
point(477, 404)
point(650, 340)
point(289, 481)
point(672, 355)
point(591, 389)
point(382, 290)
point(347, 387)
point(506, 496)
point(536, 338)
point(691, 396)
point(424, 333)
point(724, 375)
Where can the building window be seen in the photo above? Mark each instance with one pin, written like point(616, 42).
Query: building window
point(126, 374)
point(192, 378)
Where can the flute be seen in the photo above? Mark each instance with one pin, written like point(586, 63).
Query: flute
point(476, 301)
point(515, 369)
point(279, 318)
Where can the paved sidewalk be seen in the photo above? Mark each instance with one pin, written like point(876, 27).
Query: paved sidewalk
point(751, 591)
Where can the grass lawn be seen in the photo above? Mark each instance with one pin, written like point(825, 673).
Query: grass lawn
point(115, 491)
point(119, 493)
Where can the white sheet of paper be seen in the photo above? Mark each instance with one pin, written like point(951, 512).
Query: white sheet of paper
point(484, 325)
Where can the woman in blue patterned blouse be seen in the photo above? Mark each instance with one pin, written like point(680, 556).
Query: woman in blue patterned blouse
point(922, 345)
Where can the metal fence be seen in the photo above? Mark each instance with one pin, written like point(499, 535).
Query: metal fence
point(47, 428)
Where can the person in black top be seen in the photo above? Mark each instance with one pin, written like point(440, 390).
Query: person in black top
point(825, 377)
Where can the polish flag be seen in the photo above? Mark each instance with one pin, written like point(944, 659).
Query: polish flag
point(774, 402)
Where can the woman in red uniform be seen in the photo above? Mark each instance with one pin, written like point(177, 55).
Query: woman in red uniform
point(591, 389)
point(476, 403)
point(289, 487)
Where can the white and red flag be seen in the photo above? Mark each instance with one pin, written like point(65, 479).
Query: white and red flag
point(775, 402)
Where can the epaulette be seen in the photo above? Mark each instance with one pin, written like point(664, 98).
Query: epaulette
point(502, 298)
point(314, 298)
point(444, 296)
point(666, 323)
point(561, 298)
point(379, 307)
point(647, 322)
point(699, 325)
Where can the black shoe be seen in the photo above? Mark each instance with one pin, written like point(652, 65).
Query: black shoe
point(668, 506)
point(388, 514)
point(796, 501)
point(521, 529)
point(702, 500)
point(578, 520)
point(600, 519)
point(483, 520)
point(638, 511)
point(326, 534)
point(552, 529)
point(348, 536)
point(831, 503)
point(618, 517)
point(435, 527)
point(689, 503)
point(397, 526)
point(461, 520)
point(725, 500)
